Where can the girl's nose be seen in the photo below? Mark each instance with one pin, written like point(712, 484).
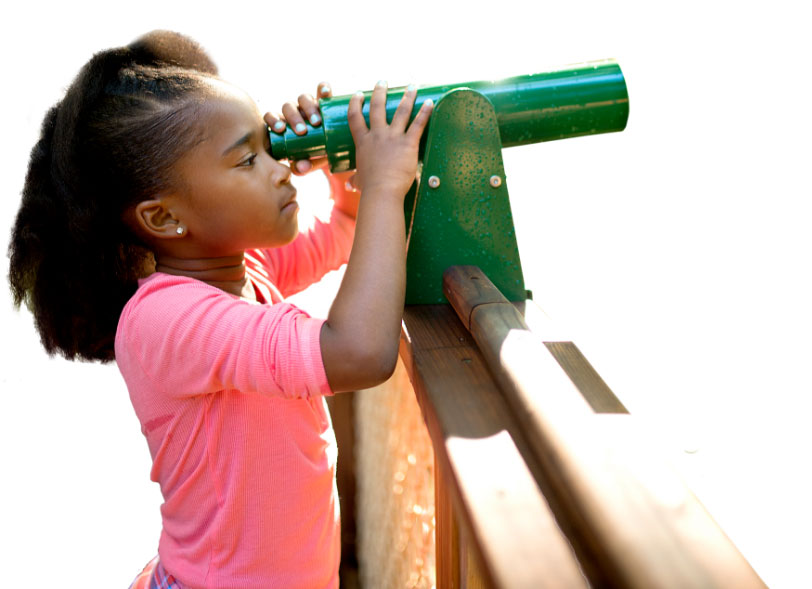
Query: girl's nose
point(280, 173)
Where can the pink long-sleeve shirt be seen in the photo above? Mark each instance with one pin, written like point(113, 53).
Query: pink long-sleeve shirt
point(230, 396)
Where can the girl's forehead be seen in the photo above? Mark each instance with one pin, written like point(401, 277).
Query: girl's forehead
point(225, 91)
point(222, 120)
point(224, 110)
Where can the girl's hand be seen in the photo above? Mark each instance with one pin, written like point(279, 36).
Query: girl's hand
point(307, 107)
point(360, 338)
point(386, 154)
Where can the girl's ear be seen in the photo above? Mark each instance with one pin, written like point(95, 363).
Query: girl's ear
point(154, 218)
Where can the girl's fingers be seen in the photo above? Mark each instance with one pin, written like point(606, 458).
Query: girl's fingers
point(421, 119)
point(377, 112)
point(404, 110)
point(319, 163)
point(294, 118)
point(355, 118)
point(324, 90)
point(377, 105)
point(295, 115)
point(275, 121)
point(309, 108)
point(302, 167)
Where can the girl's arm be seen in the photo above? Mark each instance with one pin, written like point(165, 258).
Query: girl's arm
point(359, 340)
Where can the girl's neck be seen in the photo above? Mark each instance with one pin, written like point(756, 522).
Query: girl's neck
point(227, 273)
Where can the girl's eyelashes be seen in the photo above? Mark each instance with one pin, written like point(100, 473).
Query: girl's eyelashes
point(248, 162)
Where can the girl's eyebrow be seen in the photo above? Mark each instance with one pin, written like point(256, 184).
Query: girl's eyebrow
point(241, 141)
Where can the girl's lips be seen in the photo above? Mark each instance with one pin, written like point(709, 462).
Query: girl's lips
point(291, 203)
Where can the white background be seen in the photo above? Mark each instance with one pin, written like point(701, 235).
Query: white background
point(676, 254)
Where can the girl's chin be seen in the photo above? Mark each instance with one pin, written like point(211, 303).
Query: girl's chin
point(281, 239)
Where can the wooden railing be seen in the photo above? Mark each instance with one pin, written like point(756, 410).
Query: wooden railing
point(541, 477)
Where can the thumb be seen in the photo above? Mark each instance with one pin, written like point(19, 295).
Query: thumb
point(302, 167)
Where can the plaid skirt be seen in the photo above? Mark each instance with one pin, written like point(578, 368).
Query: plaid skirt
point(155, 577)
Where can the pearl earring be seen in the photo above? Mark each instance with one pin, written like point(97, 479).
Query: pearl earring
point(179, 230)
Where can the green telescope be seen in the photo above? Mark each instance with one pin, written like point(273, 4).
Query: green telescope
point(583, 99)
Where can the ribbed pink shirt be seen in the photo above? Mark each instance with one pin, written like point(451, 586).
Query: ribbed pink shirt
point(229, 394)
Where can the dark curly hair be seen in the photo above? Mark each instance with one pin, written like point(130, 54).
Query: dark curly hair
point(110, 143)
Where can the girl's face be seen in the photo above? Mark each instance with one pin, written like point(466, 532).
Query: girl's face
point(232, 194)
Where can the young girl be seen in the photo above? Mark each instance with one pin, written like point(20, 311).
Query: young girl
point(155, 229)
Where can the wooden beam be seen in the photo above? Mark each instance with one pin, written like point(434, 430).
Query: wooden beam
point(496, 498)
point(630, 518)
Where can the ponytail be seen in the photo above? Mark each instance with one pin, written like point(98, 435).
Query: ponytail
point(110, 143)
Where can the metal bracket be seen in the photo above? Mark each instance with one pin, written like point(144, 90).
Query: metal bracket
point(460, 213)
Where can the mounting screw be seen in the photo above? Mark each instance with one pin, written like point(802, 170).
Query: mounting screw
point(496, 181)
point(434, 181)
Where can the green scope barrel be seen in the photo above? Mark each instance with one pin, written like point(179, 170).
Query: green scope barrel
point(582, 99)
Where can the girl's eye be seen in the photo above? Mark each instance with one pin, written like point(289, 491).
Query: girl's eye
point(249, 161)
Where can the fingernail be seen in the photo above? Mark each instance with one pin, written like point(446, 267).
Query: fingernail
point(381, 83)
point(303, 165)
point(428, 103)
point(279, 126)
point(410, 88)
point(315, 119)
point(300, 128)
point(325, 91)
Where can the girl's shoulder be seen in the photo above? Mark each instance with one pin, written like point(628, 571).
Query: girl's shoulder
point(181, 334)
point(160, 295)
point(167, 306)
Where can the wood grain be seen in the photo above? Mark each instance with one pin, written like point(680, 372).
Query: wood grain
point(496, 501)
point(631, 520)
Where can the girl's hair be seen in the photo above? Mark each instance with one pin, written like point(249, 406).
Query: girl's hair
point(110, 143)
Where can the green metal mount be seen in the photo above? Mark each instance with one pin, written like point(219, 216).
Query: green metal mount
point(460, 212)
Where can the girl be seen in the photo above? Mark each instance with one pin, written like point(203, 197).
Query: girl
point(155, 229)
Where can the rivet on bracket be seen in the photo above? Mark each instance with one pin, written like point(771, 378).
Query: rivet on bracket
point(496, 181)
point(434, 181)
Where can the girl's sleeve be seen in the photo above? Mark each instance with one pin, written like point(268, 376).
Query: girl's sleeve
point(187, 338)
point(314, 253)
